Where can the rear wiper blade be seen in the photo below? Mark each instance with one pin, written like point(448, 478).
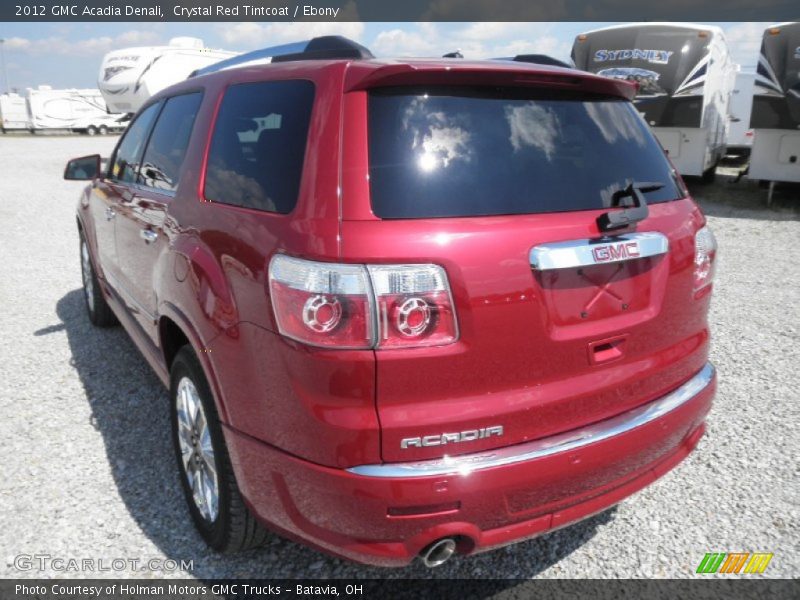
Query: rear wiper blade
point(617, 219)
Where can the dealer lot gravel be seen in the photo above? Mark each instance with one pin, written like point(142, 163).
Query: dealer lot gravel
point(88, 471)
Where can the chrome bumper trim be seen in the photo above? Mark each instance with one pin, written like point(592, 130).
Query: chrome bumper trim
point(587, 252)
point(564, 442)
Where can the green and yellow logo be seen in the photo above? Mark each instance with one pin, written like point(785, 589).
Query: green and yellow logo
point(734, 562)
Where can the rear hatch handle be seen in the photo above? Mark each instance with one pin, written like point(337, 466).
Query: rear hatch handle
point(608, 249)
point(618, 219)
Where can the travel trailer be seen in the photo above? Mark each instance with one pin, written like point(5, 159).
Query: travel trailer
point(130, 76)
point(72, 109)
point(45, 109)
point(14, 112)
point(775, 119)
point(685, 76)
point(740, 135)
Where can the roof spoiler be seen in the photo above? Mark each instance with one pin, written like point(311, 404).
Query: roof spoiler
point(538, 59)
point(324, 47)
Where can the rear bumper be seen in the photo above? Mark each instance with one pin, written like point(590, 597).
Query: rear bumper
point(386, 514)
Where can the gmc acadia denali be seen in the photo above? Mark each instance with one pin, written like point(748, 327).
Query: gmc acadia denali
point(404, 308)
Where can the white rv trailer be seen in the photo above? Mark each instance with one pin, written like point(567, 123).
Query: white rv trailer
point(740, 136)
point(685, 76)
point(44, 109)
point(73, 109)
point(130, 76)
point(775, 119)
point(14, 112)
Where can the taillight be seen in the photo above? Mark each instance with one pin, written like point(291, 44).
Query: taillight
point(414, 306)
point(705, 252)
point(362, 306)
point(322, 304)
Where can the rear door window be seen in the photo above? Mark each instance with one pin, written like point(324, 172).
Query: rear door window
point(455, 152)
point(125, 166)
point(168, 143)
point(259, 144)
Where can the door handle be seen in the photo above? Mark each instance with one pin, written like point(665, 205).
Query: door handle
point(110, 213)
point(148, 235)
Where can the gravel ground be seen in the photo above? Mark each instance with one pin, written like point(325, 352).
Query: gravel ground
point(88, 472)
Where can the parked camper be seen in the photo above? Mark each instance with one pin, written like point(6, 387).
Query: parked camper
point(685, 75)
point(81, 110)
point(14, 112)
point(740, 135)
point(45, 109)
point(130, 76)
point(776, 106)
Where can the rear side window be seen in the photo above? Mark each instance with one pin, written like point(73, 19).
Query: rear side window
point(125, 165)
point(168, 142)
point(458, 152)
point(259, 143)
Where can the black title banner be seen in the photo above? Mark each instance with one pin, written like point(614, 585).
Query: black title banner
point(405, 10)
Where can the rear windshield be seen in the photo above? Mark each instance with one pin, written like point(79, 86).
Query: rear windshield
point(458, 152)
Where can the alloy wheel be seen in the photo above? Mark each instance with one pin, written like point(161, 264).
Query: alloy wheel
point(197, 450)
point(88, 278)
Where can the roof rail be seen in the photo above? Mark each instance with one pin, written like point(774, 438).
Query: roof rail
point(324, 47)
point(539, 59)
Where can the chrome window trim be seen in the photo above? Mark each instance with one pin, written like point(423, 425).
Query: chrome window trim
point(578, 253)
point(564, 442)
point(141, 187)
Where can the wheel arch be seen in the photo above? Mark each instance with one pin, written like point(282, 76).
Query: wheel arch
point(171, 339)
point(175, 330)
point(86, 230)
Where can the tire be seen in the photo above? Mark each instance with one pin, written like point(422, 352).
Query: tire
point(100, 313)
point(102, 130)
point(709, 176)
point(226, 524)
point(91, 130)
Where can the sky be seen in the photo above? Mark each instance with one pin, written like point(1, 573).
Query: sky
point(66, 55)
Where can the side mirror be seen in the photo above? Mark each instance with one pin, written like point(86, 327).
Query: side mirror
point(84, 168)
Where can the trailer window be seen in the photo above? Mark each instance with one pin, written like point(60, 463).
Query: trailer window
point(125, 165)
point(259, 144)
point(451, 152)
point(168, 143)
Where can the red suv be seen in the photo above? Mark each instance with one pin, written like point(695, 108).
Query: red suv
point(416, 307)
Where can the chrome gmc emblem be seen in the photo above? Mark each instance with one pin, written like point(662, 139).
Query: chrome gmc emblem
point(451, 438)
point(614, 252)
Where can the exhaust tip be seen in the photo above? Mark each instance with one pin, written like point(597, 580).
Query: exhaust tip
point(438, 552)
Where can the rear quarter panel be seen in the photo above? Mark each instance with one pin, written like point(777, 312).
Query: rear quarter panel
point(315, 405)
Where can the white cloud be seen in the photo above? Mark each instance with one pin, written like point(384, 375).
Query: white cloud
point(493, 31)
point(94, 46)
point(474, 40)
point(17, 43)
point(744, 40)
point(137, 38)
point(254, 35)
point(399, 42)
